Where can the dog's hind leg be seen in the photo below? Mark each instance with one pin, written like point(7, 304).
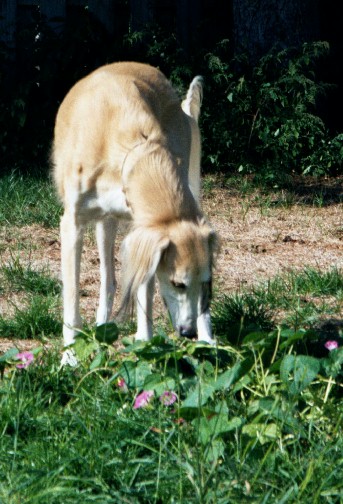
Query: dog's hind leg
point(105, 234)
point(145, 296)
point(71, 249)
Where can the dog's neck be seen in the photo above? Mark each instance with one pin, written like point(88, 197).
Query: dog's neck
point(156, 187)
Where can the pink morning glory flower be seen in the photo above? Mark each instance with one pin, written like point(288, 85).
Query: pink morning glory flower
point(168, 398)
point(143, 399)
point(331, 345)
point(26, 359)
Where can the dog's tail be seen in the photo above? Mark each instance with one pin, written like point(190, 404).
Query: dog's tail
point(192, 103)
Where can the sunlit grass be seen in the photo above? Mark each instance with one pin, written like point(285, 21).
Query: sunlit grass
point(257, 419)
point(239, 431)
point(26, 200)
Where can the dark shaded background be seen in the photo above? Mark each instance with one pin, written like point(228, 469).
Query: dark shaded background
point(47, 55)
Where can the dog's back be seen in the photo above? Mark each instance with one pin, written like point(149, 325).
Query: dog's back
point(107, 114)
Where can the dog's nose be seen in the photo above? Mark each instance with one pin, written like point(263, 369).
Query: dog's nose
point(187, 331)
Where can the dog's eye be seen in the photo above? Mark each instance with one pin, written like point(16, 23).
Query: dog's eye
point(178, 285)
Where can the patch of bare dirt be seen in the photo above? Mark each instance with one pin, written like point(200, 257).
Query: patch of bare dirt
point(260, 238)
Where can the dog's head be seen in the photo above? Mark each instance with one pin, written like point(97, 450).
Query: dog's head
point(185, 274)
point(181, 256)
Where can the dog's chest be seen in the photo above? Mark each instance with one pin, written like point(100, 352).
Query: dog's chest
point(95, 204)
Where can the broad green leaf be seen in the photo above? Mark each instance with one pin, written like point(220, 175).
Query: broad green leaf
point(107, 333)
point(264, 433)
point(254, 337)
point(333, 364)
point(214, 450)
point(213, 425)
point(159, 384)
point(297, 372)
point(273, 408)
point(242, 382)
point(134, 373)
point(9, 355)
point(84, 349)
point(158, 348)
point(199, 395)
point(226, 379)
point(292, 338)
point(98, 360)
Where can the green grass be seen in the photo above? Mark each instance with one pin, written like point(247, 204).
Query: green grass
point(37, 318)
point(247, 434)
point(27, 200)
point(17, 277)
point(36, 311)
point(303, 299)
point(257, 419)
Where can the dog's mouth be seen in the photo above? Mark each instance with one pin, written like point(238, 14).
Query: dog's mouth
point(183, 330)
point(187, 332)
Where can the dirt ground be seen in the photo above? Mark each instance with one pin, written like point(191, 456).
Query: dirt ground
point(260, 236)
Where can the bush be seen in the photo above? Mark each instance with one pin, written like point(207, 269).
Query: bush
point(261, 120)
point(265, 120)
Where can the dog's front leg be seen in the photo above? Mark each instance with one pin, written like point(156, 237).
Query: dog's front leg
point(204, 327)
point(105, 234)
point(145, 296)
point(71, 249)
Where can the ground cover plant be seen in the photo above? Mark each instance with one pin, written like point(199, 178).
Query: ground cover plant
point(256, 419)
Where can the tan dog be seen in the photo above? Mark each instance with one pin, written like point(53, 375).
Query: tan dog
point(124, 147)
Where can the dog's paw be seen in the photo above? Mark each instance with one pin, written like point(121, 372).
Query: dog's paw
point(69, 358)
point(209, 341)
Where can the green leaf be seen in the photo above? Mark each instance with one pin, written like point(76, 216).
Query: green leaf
point(9, 355)
point(84, 349)
point(159, 347)
point(255, 337)
point(199, 395)
point(333, 364)
point(159, 384)
point(302, 368)
point(273, 408)
point(135, 373)
point(214, 425)
point(98, 360)
point(107, 333)
point(292, 337)
point(264, 433)
point(226, 379)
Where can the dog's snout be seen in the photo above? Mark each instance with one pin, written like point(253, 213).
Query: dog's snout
point(187, 331)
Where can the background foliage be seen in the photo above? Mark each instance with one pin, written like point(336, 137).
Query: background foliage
point(266, 120)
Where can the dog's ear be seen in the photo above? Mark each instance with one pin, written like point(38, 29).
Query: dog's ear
point(211, 236)
point(214, 243)
point(141, 254)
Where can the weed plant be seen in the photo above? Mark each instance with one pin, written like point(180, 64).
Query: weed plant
point(266, 121)
point(255, 424)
